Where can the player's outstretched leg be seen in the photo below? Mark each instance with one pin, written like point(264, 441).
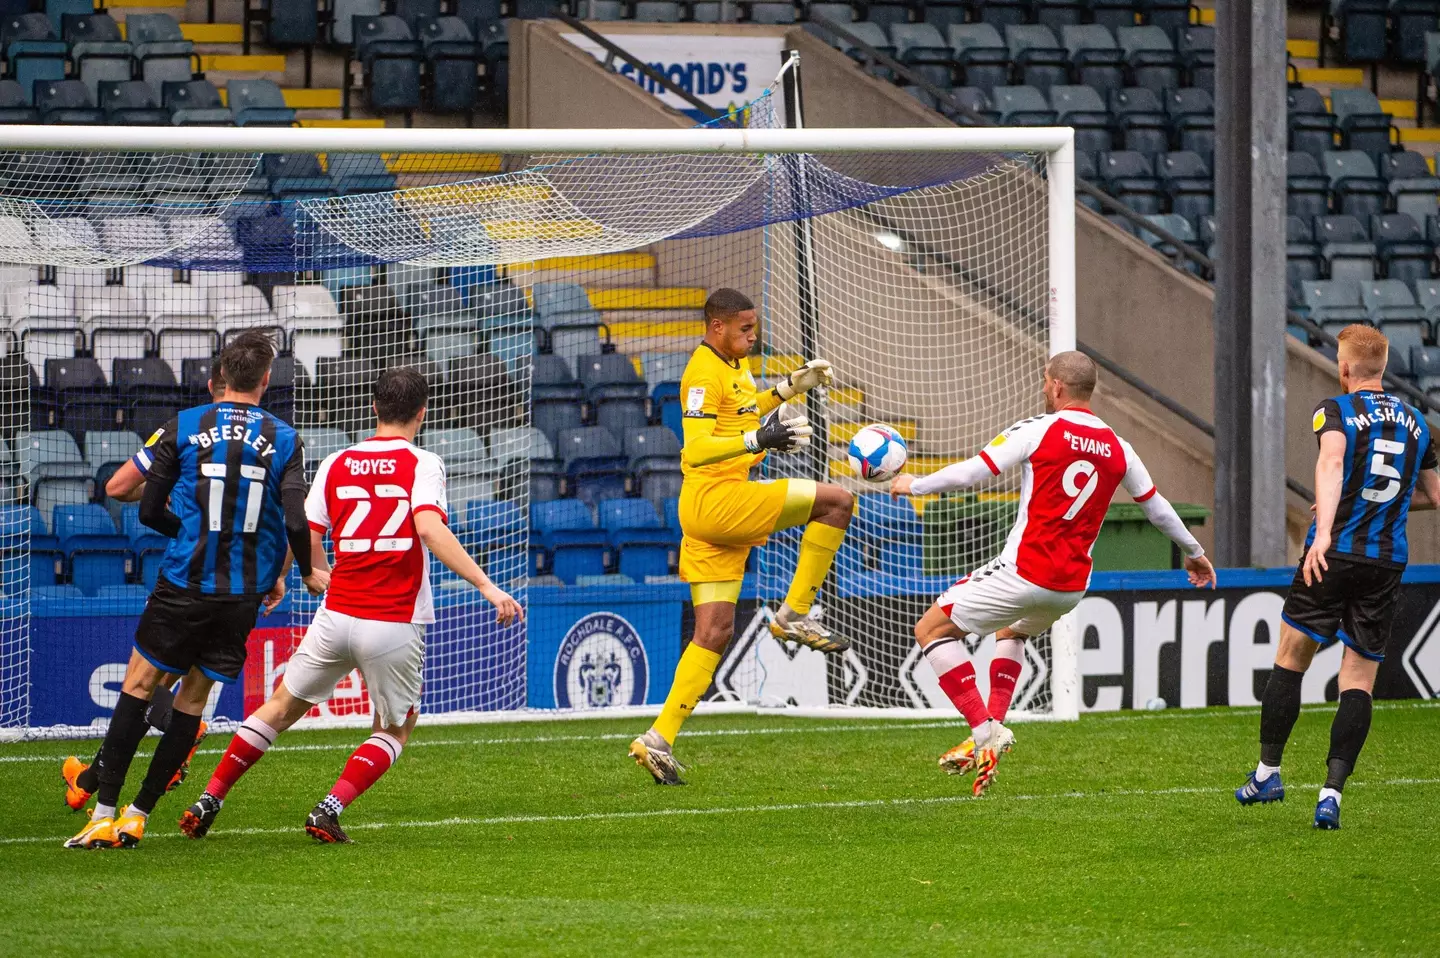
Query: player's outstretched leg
point(1279, 709)
point(829, 517)
point(81, 780)
point(942, 642)
point(1348, 732)
point(174, 749)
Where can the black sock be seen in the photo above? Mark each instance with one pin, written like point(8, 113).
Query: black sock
point(1347, 736)
point(88, 779)
point(162, 703)
point(170, 754)
point(1279, 708)
point(122, 738)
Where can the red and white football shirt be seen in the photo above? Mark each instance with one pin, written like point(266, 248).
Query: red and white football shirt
point(366, 497)
point(1073, 464)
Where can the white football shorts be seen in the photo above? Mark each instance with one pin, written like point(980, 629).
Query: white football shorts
point(994, 596)
point(390, 655)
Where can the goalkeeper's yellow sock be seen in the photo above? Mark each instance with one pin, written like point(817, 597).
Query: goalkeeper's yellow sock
point(692, 677)
point(817, 552)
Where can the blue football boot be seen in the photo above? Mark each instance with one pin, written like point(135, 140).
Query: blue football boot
point(1261, 793)
point(1327, 814)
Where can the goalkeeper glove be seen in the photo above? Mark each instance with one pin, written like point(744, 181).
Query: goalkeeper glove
point(783, 431)
point(814, 373)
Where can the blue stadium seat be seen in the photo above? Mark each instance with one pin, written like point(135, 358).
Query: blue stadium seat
point(1150, 58)
point(878, 516)
point(576, 552)
point(981, 58)
point(1188, 184)
point(561, 514)
point(386, 47)
point(1363, 26)
point(1307, 189)
point(296, 176)
point(452, 62)
point(1411, 185)
point(1362, 121)
point(1356, 188)
point(1334, 303)
point(1192, 120)
point(76, 520)
point(1196, 46)
point(1139, 120)
point(645, 552)
point(131, 103)
point(650, 445)
point(617, 514)
point(671, 510)
point(258, 103)
point(554, 416)
point(162, 53)
point(489, 522)
point(360, 173)
point(609, 375)
point(594, 463)
point(1112, 14)
point(1312, 126)
point(1130, 178)
point(33, 51)
point(195, 103)
point(1095, 60)
point(1392, 307)
point(1346, 248)
point(659, 486)
point(93, 567)
point(66, 101)
point(1022, 106)
point(1082, 108)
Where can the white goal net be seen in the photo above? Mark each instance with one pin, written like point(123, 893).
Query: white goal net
point(549, 285)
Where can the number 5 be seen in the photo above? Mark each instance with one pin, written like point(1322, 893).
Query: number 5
point(1070, 483)
point(1379, 467)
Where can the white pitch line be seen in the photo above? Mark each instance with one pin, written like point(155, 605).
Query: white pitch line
point(745, 809)
point(880, 725)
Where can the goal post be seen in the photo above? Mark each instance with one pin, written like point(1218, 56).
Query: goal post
point(943, 265)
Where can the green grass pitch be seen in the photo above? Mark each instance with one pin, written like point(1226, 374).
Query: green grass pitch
point(1112, 835)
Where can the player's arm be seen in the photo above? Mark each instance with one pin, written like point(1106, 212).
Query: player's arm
point(1162, 515)
point(431, 527)
point(163, 453)
point(817, 372)
point(702, 447)
point(127, 484)
point(297, 526)
point(1012, 446)
point(1427, 486)
point(1329, 477)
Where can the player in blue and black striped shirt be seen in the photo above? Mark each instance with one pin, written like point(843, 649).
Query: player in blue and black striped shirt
point(1374, 449)
point(234, 476)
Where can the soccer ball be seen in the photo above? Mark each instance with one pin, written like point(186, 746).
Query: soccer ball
point(877, 453)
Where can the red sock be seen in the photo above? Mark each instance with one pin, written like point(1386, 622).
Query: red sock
point(252, 740)
point(1004, 673)
point(367, 763)
point(959, 684)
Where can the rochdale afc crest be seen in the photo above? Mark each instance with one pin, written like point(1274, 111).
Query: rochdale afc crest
point(601, 663)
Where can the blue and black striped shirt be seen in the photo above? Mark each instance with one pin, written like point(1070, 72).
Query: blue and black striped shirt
point(1387, 443)
point(228, 469)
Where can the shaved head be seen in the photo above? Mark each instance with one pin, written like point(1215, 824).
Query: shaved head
point(1075, 370)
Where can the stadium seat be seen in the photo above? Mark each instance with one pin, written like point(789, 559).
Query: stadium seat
point(15, 106)
point(1412, 186)
point(258, 103)
point(1355, 187)
point(1037, 58)
point(548, 517)
point(463, 450)
point(162, 53)
point(1192, 120)
point(33, 51)
point(452, 62)
point(1410, 20)
point(1188, 184)
point(1129, 177)
point(925, 97)
point(1302, 256)
point(966, 102)
point(1307, 188)
point(51, 492)
point(1196, 46)
point(1427, 295)
point(576, 552)
point(652, 445)
point(1177, 226)
point(1404, 253)
point(390, 55)
point(1346, 248)
point(758, 12)
point(1362, 25)
point(1139, 120)
point(1081, 107)
point(644, 552)
point(594, 462)
point(1334, 303)
point(1150, 58)
point(921, 47)
point(1095, 60)
point(1312, 126)
point(66, 101)
point(617, 514)
point(1425, 367)
point(1362, 122)
point(131, 103)
point(609, 375)
point(1057, 13)
point(1022, 106)
point(97, 51)
point(195, 103)
point(981, 58)
point(666, 11)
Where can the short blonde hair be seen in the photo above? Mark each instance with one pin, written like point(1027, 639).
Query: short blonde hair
point(1365, 348)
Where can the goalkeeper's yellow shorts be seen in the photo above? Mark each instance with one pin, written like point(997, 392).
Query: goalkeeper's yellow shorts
point(723, 520)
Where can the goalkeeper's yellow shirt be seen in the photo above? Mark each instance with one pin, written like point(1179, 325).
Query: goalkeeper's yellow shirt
point(720, 407)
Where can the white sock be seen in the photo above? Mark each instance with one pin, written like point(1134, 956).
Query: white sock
point(1330, 793)
point(981, 733)
point(102, 811)
point(132, 810)
point(257, 734)
point(1263, 771)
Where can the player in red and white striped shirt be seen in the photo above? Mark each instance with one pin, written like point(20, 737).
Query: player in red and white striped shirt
point(383, 503)
point(1073, 464)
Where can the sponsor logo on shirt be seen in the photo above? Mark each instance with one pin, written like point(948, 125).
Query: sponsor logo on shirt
point(695, 399)
point(1317, 421)
point(155, 438)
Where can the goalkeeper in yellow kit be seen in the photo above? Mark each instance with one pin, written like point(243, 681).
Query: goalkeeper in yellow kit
point(723, 514)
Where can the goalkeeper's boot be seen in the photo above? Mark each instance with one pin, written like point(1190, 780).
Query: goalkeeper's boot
point(960, 759)
point(129, 828)
point(806, 630)
point(1327, 814)
point(97, 833)
point(197, 819)
point(184, 768)
point(324, 827)
point(652, 753)
point(75, 796)
point(987, 758)
point(1261, 793)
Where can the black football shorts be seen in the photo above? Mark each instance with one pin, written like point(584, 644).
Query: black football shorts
point(180, 630)
point(1354, 602)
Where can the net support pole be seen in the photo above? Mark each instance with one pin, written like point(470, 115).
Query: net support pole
point(1060, 177)
point(807, 302)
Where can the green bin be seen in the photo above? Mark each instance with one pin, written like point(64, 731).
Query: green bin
point(1128, 541)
